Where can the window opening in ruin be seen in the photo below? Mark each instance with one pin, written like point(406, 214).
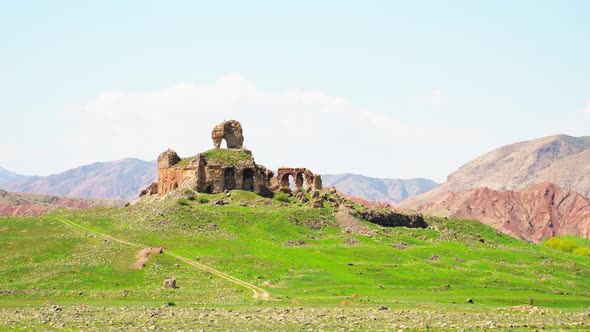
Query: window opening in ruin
point(229, 179)
point(248, 180)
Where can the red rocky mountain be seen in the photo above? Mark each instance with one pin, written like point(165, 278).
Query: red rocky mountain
point(533, 213)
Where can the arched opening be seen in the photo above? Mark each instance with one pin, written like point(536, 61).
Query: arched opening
point(248, 179)
point(229, 179)
point(299, 180)
point(287, 181)
point(208, 190)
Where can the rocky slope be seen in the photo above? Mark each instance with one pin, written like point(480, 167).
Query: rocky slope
point(536, 212)
point(561, 159)
point(377, 190)
point(20, 204)
point(120, 179)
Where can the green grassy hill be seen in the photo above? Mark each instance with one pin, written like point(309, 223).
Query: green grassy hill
point(298, 255)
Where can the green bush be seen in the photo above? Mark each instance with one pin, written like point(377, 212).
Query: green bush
point(190, 194)
point(567, 245)
point(561, 244)
point(182, 201)
point(282, 197)
point(203, 200)
point(582, 251)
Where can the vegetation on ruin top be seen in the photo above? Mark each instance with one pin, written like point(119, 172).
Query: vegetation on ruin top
point(184, 162)
point(227, 156)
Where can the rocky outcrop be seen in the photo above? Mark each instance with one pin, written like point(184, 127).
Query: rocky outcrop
point(392, 219)
point(231, 132)
point(152, 189)
point(536, 212)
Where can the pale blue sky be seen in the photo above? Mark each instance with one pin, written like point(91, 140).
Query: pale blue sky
point(494, 72)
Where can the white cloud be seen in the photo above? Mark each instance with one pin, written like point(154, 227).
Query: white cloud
point(296, 127)
point(436, 98)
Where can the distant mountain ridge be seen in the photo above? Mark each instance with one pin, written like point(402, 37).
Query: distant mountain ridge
point(560, 159)
point(377, 190)
point(121, 179)
point(24, 204)
point(8, 176)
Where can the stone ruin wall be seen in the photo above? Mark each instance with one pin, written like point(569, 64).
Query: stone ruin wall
point(216, 178)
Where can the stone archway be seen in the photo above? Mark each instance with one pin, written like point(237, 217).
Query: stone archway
point(229, 179)
point(299, 180)
point(286, 181)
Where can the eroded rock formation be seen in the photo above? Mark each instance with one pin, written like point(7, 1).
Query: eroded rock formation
point(231, 131)
point(534, 213)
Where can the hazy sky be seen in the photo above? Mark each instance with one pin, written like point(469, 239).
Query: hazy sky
point(395, 89)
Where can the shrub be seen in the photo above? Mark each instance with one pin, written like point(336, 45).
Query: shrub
point(182, 201)
point(170, 304)
point(190, 194)
point(282, 197)
point(561, 244)
point(203, 200)
point(582, 251)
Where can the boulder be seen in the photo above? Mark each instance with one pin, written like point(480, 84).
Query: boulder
point(169, 283)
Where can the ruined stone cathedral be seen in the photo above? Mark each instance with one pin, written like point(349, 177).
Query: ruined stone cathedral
point(220, 169)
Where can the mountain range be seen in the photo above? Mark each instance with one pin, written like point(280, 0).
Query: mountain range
point(23, 204)
point(121, 179)
point(8, 176)
point(378, 190)
point(561, 159)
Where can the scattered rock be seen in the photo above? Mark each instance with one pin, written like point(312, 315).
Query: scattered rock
point(219, 202)
point(169, 283)
point(318, 204)
point(297, 243)
point(434, 258)
point(382, 307)
point(469, 300)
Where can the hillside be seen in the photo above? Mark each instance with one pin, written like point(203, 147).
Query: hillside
point(287, 255)
point(122, 179)
point(535, 213)
point(377, 190)
point(23, 204)
point(560, 159)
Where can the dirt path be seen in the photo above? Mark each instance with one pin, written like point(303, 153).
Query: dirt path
point(258, 293)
